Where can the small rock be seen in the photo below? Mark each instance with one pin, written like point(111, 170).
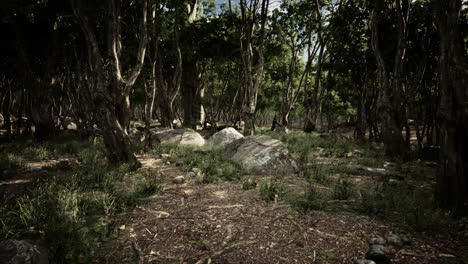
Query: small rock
point(377, 241)
point(195, 170)
point(364, 261)
point(377, 253)
point(394, 240)
point(178, 179)
point(165, 156)
point(191, 174)
point(406, 241)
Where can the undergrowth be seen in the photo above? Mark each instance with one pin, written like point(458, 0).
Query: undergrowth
point(70, 211)
point(393, 201)
point(214, 163)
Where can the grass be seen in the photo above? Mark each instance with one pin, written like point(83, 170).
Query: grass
point(271, 191)
point(213, 163)
point(394, 201)
point(71, 210)
point(10, 165)
point(408, 207)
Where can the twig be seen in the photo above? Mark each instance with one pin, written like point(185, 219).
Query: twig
point(138, 253)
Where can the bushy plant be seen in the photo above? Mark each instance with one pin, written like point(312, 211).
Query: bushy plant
point(214, 164)
point(271, 191)
point(311, 200)
point(10, 166)
point(343, 190)
point(408, 207)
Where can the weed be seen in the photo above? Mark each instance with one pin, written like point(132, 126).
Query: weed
point(152, 184)
point(312, 199)
point(249, 184)
point(317, 173)
point(214, 164)
point(10, 166)
point(270, 191)
point(343, 190)
point(411, 208)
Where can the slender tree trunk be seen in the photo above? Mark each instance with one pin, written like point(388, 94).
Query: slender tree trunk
point(192, 96)
point(6, 104)
point(452, 180)
point(252, 73)
point(394, 145)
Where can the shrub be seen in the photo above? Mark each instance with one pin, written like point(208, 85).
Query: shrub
point(270, 191)
point(10, 166)
point(249, 184)
point(312, 199)
point(214, 164)
point(343, 190)
point(318, 173)
point(408, 207)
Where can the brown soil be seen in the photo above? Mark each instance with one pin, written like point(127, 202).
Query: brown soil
point(222, 223)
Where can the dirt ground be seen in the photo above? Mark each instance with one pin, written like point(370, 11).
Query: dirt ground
point(222, 223)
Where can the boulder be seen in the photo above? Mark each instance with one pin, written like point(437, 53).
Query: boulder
point(22, 252)
point(224, 137)
point(183, 136)
point(378, 254)
point(262, 154)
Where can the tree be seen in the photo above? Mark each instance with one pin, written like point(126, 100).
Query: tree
point(252, 72)
point(452, 180)
point(390, 81)
point(111, 96)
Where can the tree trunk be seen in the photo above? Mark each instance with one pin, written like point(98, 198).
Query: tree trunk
point(6, 105)
point(112, 105)
point(192, 96)
point(394, 145)
point(252, 73)
point(452, 180)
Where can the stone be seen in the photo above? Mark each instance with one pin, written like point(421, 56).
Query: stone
point(377, 241)
point(178, 179)
point(191, 174)
point(224, 137)
point(364, 261)
point(176, 123)
point(262, 154)
point(165, 156)
point(378, 254)
point(196, 170)
point(22, 252)
point(394, 240)
point(183, 136)
point(406, 240)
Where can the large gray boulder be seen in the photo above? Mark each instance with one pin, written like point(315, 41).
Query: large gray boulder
point(224, 137)
point(183, 136)
point(21, 252)
point(262, 154)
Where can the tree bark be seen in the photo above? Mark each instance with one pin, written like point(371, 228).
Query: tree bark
point(452, 179)
point(112, 89)
point(252, 73)
point(192, 96)
point(390, 84)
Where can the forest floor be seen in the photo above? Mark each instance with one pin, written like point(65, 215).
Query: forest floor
point(223, 223)
point(62, 196)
